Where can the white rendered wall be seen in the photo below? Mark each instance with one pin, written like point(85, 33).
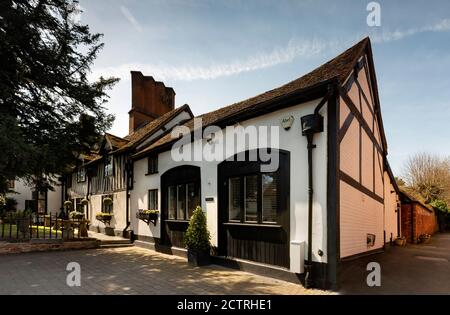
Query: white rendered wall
point(290, 140)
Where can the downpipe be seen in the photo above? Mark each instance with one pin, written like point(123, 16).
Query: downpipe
point(312, 124)
point(127, 206)
point(308, 265)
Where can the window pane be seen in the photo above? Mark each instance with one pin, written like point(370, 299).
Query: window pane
point(107, 208)
point(270, 198)
point(108, 166)
point(172, 202)
point(181, 207)
point(152, 165)
point(234, 199)
point(251, 198)
point(153, 199)
point(193, 198)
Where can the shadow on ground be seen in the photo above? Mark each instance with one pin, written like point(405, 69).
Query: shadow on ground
point(414, 269)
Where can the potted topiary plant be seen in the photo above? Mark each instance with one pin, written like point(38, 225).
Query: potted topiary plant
point(197, 239)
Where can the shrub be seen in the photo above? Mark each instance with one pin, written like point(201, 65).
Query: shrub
point(197, 236)
point(7, 204)
point(440, 205)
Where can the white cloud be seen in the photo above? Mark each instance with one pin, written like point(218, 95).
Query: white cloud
point(388, 36)
point(294, 49)
point(130, 17)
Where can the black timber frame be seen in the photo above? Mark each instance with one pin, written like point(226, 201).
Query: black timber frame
point(172, 231)
point(261, 242)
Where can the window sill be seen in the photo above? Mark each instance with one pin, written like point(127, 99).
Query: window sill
point(176, 221)
point(237, 224)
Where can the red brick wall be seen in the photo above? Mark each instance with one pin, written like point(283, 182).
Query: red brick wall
point(420, 221)
point(16, 248)
point(406, 222)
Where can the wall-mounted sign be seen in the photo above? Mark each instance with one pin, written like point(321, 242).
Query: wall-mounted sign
point(209, 199)
point(287, 122)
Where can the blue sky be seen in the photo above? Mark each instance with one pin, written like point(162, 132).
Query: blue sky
point(214, 53)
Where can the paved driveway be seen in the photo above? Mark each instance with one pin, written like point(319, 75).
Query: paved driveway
point(129, 271)
point(414, 269)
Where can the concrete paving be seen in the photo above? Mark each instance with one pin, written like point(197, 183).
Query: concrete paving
point(414, 269)
point(130, 271)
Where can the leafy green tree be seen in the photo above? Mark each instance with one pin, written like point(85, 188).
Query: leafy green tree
point(49, 109)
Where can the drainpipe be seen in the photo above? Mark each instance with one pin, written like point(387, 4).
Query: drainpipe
point(127, 206)
point(87, 195)
point(312, 124)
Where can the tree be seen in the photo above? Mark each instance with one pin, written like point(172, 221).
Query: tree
point(49, 110)
point(428, 175)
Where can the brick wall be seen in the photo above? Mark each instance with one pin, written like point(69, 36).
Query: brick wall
point(150, 99)
point(417, 222)
point(17, 248)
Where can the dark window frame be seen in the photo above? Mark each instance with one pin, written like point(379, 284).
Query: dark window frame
point(187, 213)
point(155, 191)
point(234, 168)
point(152, 165)
point(11, 184)
point(81, 174)
point(108, 160)
point(260, 196)
point(107, 208)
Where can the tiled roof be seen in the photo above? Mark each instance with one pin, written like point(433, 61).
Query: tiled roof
point(414, 197)
point(338, 68)
point(133, 139)
point(116, 141)
point(147, 130)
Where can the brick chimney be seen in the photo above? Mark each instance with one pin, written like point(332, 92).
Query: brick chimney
point(150, 99)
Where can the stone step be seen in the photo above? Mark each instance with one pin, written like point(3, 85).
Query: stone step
point(116, 245)
point(115, 242)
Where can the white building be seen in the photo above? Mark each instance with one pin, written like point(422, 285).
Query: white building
point(259, 218)
point(28, 198)
point(263, 217)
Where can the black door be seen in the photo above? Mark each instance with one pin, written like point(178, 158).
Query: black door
point(254, 211)
point(180, 191)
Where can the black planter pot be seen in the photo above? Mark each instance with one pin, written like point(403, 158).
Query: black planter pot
point(198, 257)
